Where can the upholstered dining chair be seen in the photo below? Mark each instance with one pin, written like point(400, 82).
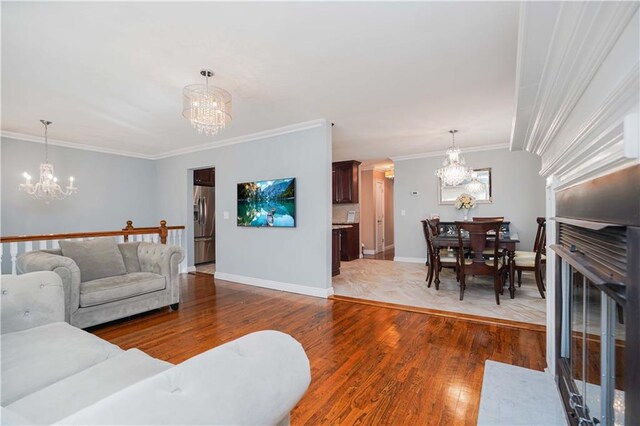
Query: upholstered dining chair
point(478, 265)
point(534, 261)
point(488, 218)
point(447, 258)
point(489, 252)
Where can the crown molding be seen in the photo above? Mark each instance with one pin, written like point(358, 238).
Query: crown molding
point(173, 153)
point(73, 145)
point(441, 153)
point(306, 125)
point(572, 51)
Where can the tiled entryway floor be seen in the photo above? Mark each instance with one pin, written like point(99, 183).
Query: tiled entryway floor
point(404, 284)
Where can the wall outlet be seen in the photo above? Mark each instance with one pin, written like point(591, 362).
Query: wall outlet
point(403, 212)
point(225, 215)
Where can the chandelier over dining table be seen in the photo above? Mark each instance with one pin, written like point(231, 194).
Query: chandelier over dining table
point(208, 108)
point(47, 188)
point(454, 171)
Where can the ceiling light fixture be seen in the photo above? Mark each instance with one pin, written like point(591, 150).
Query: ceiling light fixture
point(389, 174)
point(47, 188)
point(454, 171)
point(208, 108)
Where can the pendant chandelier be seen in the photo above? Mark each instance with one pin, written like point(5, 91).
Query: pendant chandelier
point(475, 186)
point(47, 187)
point(454, 171)
point(208, 108)
point(389, 174)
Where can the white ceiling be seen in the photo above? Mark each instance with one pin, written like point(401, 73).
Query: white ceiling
point(393, 77)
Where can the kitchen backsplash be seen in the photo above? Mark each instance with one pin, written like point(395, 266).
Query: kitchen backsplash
point(341, 211)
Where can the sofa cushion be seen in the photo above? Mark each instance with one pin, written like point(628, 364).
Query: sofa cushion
point(120, 287)
point(129, 253)
point(73, 393)
point(96, 258)
point(35, 358)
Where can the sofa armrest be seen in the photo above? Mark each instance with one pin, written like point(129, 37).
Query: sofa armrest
point(256, 379)
point(65, 267)
point(164, 260)
point(31, 300)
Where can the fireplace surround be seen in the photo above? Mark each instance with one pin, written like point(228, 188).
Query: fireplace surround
point(597, 309)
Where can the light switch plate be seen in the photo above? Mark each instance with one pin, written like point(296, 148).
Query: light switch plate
point(225, 215)
point(403, 212)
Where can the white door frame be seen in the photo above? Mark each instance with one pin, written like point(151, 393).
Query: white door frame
point(376, 204)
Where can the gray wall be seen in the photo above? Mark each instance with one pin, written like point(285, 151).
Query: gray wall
point(111, 189)
point(298, 255)
point(518, 195)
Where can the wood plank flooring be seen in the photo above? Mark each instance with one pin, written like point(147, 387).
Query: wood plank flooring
point(369, 364)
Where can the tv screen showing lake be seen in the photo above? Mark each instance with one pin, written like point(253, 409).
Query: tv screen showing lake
point(267, 203)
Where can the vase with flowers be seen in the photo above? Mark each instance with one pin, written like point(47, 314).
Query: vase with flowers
point(465, 202)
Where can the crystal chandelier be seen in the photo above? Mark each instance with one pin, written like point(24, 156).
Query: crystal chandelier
point(475, 186)
point(454, 171)
point(47, 188)
point(208, 108)
point(389, 174)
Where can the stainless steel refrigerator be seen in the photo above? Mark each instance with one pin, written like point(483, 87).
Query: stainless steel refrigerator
point(204, 224)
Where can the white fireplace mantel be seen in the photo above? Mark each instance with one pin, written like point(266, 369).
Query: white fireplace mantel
point(578, 95)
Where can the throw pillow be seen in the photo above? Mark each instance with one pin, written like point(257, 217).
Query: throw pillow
point(96, 258)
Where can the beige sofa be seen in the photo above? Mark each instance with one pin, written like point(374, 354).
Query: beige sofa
point(105, 281)
point(54, 373)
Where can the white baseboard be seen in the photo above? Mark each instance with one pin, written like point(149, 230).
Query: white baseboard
point(275, 285)
point(186, 269)
point(409, 259)
point(368, 252)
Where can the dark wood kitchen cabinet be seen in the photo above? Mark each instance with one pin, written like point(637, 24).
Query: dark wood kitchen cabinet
point(335, 252)
point(204, 177)
point(350, 243)
point(345, 182)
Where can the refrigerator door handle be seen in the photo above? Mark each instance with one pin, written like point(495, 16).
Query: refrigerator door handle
point(200, 213)
point(204, 209)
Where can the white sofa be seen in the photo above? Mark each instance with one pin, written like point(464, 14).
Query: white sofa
point(54, 373)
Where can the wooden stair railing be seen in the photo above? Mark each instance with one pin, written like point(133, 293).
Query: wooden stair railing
point(162, 234)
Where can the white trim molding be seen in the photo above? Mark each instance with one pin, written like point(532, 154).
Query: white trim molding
point(187, 150)
point(275, 285)
point(409, 259)
point(368, 252)
point(246, 138)
point(73, 145)
point(442, 153)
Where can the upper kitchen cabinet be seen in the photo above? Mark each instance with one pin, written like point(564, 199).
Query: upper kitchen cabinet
point(204, 177)
point(345, 182)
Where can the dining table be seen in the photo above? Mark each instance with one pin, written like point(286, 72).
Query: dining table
point(449, 238)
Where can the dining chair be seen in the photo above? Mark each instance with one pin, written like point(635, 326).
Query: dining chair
point(534, 261)
point(489, 252)
point(478, 265)
point(447, 258)
point(488, 218)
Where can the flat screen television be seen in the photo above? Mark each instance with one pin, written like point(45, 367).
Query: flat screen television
point(267, 203)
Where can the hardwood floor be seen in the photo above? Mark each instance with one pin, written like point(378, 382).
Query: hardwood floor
point(385, 255)
point(369, 364)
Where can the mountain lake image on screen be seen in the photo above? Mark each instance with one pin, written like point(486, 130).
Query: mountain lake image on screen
point(267, 203)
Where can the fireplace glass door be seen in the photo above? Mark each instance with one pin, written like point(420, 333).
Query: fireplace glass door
point(592, 348)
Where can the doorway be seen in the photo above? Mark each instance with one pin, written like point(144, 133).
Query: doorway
point(377, 227)
point(204, 220)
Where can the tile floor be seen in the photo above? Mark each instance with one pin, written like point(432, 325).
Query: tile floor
point(404, 284)
point(206, 268)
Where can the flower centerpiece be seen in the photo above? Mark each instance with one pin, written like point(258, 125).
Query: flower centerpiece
point(465, 202)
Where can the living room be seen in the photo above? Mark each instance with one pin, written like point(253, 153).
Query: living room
point(112, 94)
